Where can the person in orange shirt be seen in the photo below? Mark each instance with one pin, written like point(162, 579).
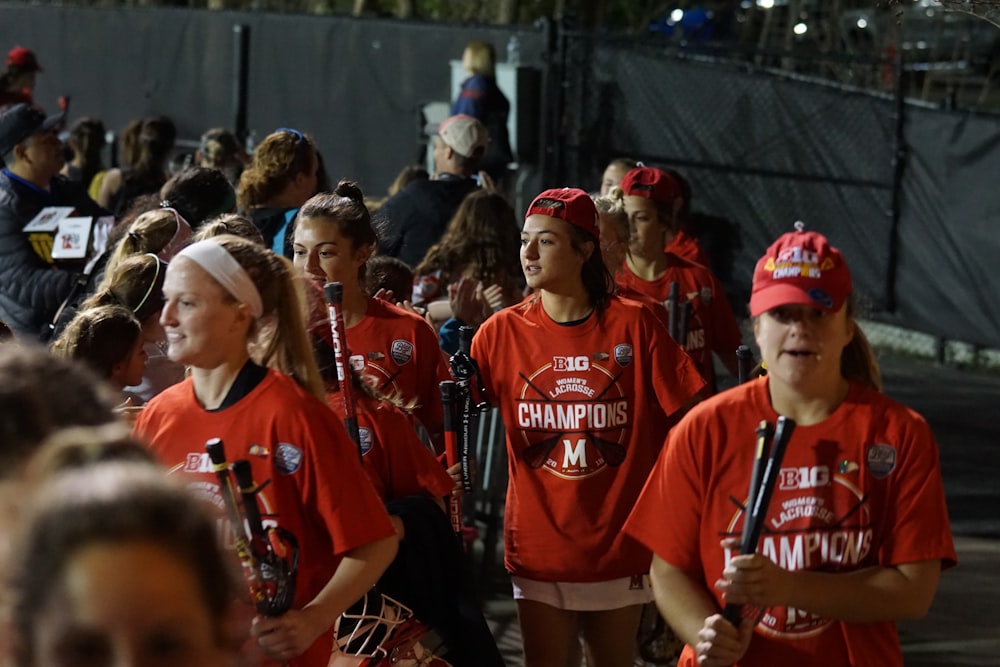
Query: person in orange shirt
point(587, 384)
point(226, 298)
point(856, 533)
point(332, 239)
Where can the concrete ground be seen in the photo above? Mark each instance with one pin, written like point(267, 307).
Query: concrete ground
point(963, 626)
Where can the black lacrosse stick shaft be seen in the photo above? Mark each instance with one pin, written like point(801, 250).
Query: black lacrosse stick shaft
point(471, 399)
point(760, 497)
point(684, 324)
point(673, 316)
point(744, 361)
point(275, 549)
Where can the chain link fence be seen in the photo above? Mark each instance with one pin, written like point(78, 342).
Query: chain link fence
point(765, 138)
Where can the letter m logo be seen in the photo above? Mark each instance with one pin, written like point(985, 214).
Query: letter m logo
point(575, 456)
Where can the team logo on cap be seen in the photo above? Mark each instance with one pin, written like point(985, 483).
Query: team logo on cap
point(287, 458)
point(364, 440)
point(881, 460)
point(401, 352)
point(623, 354)
point(797, 262)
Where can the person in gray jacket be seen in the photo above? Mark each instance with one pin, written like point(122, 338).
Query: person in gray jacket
point(31, 289)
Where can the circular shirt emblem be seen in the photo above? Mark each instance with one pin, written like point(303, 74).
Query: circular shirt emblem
point(401, 351)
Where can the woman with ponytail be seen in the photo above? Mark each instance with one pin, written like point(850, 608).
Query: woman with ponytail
point(235, 315)
point(856, 533)
point(332, 239)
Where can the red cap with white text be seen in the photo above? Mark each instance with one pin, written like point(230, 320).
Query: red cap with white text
point(800, 268)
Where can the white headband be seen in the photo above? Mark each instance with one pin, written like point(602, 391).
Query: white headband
point(217, 261)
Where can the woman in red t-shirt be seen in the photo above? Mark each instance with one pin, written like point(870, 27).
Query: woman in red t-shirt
point(226, 299)
point(332, 240)
point(587, 384)
point(856, 533)
point(652, 200)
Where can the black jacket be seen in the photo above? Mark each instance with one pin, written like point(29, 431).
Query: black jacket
point(416, 217)
point(30, 289)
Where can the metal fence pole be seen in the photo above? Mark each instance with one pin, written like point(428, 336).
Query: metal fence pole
point(241, 73)
point(899, 157)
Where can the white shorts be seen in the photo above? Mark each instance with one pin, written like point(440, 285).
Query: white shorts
point(585, 596)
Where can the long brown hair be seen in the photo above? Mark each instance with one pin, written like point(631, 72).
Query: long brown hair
point(276, 162)
point(482, 240)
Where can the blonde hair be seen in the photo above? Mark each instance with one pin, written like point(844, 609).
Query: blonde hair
point(278, 339)
point(612, 205)
point(229, 223)
point(151, 232)
point(133, 284)
point(858, 362)
point(482, 58)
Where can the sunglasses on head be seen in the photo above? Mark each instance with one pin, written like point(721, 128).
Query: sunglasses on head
point(299, 161)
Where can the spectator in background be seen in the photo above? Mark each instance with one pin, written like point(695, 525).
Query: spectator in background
point(198, 194)
point(86, 141)
point(137, 284)
point(414, 218)
point(109, 340)
point(474, 270)
point(17, 82)
point(390, 275)
point(30, 289)
point(281, 176)
point(230, 223)
point(615, 172)
point(406, 175)
point(220, 149)
point(481, 98)
point(147, 173)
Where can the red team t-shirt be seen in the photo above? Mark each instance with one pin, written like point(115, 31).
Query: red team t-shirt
point(401, 352)
point(712, 326)
point(686, 246)
point(316, 488)
point(862, 488)
point(396, 461)
point(586, 412)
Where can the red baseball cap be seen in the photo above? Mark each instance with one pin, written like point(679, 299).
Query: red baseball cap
point(24, 58)
point(570, 204)
point(651, 183)
point(800, 268)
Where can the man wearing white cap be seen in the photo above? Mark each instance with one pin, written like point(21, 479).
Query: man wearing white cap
point(414, 219)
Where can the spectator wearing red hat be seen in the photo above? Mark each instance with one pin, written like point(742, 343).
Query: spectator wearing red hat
point(30, 289)
point(856, 533)
point(652, 198)
point(415, 218)
point(587, 384)
point(17, 82)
